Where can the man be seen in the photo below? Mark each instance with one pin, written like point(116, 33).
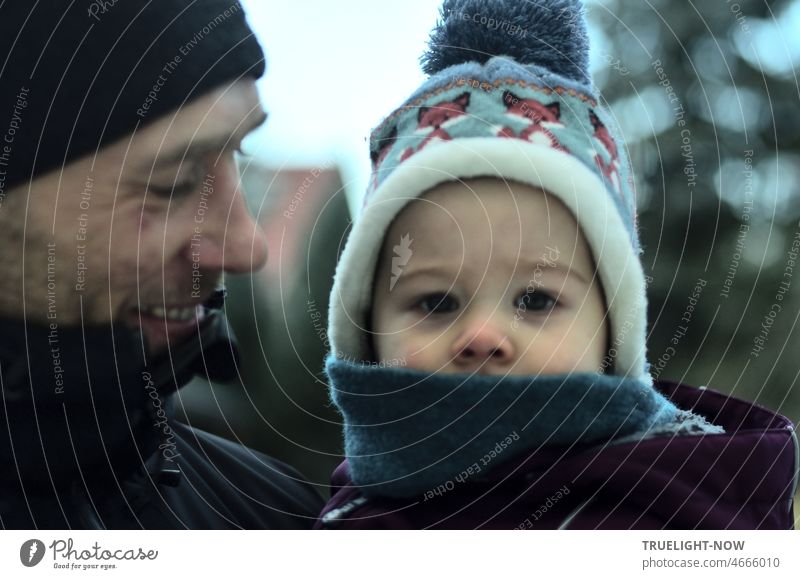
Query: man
point(120, 210)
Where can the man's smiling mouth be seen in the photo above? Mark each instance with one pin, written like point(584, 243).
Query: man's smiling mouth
point(167, 324)
point(173, 313)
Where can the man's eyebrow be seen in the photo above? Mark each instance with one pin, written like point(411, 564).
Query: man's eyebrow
point(204, 146)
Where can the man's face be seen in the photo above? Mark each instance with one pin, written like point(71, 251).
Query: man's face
point(493, 277)
point(140, 233)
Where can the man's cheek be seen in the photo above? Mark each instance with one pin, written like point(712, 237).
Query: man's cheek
point(127, 274)
point(142, 258)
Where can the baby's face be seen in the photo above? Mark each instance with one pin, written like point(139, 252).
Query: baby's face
point(491, 277)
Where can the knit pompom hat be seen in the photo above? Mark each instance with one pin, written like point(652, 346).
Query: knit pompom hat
point(509, 96)
point(78, 75)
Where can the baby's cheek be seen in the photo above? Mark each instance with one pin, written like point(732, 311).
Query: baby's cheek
point(547, 350)
point(424, 354)
point(576, 352)
point(403, 350)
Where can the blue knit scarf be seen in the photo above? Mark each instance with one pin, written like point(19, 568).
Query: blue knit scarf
point(406, 431)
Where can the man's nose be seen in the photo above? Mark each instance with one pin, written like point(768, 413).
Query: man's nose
point(227, 238)
point(483, 341)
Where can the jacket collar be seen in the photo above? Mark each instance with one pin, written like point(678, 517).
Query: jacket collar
point(77, 402)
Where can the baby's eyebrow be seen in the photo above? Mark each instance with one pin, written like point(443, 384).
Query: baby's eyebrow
point(427, 270)
point(535, 267)
point(539, 267)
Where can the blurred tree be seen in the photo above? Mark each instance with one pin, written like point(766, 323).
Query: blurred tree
point(280, 403)
point(706, 96)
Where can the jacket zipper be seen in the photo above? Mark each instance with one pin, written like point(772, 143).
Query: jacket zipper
point(796, 445)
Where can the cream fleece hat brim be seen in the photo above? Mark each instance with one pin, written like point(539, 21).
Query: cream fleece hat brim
point(556, 172)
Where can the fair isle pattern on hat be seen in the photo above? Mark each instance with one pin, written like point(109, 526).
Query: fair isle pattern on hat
point(493, 112)
point(503, 99)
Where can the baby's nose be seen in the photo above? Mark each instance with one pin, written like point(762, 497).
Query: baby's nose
point(483, 342)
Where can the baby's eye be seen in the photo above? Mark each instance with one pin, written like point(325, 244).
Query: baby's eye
point(534, 300)
point(438, 303)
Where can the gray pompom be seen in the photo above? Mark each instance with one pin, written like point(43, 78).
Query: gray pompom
point(549, 33)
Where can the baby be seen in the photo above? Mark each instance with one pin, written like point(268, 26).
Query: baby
point(500, 280)
point(488, 315)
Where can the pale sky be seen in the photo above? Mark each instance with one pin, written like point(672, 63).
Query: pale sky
point(334, 69)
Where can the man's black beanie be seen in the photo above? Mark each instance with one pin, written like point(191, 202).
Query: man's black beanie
point(76, 75)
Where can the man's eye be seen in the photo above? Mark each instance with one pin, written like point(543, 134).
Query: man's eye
point(185, 179)
point(534, 300)
point(174, 189)
point(438, 303)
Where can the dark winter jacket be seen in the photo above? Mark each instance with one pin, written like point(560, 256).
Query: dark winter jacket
point(743, 479)
point(101, 449)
